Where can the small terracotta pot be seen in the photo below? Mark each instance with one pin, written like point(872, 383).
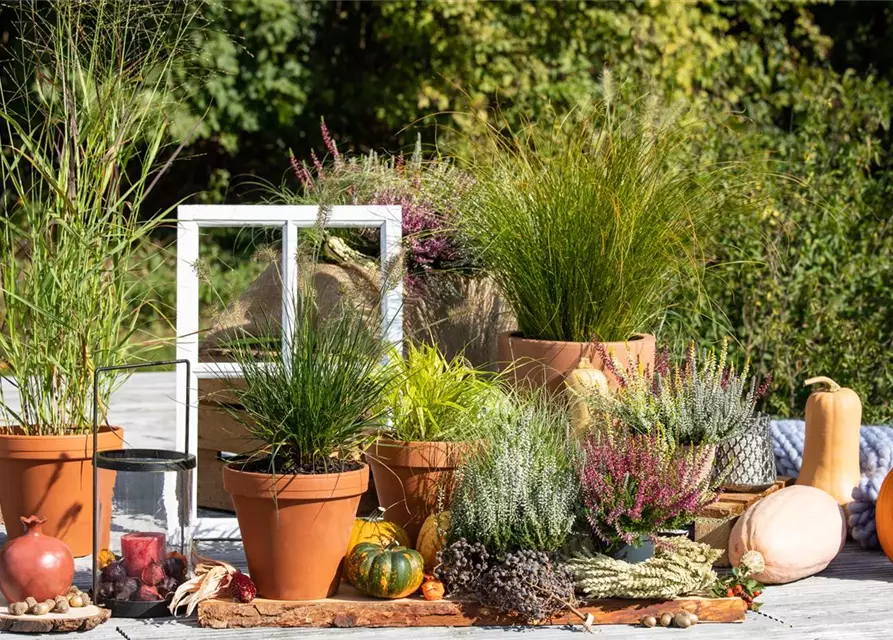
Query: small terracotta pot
point(295, 528)
point(547, 363)
point(409, 476)
point(52, 477)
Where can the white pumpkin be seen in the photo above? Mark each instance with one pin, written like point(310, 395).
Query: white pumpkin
point(799, 530)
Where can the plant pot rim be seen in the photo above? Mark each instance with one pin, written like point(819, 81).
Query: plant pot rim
point(20, 444)
point(435, 454)
point(519, 337)
point(316, 486)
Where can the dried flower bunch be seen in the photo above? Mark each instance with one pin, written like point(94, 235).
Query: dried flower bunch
point(428, 192)
point(521, 490)
point(635, 484)
point(704, 400)
point(679, 567)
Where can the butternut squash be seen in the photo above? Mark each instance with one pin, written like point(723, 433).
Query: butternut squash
point(798, 530)
point(582, 381)
point(831, 447)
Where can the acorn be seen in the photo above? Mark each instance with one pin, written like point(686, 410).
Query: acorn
point(666, 620)
point(649, 621)
point(682, 621)
point(76, 600)
point(18, 608)
point(40, 609)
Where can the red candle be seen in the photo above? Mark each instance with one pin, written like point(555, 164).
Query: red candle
point(141, 549)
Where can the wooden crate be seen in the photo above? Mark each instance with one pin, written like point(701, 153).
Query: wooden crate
point(349, 609)
point(713, 525)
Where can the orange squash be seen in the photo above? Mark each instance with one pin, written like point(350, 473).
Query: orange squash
point(883, 516)
point(831, 448)
point(377, 531)
point(432, 589)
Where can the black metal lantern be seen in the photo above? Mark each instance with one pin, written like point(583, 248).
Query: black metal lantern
point(152, 490)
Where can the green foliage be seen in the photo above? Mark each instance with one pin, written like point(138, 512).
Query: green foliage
point(85, 139)
point(519, 490)
point(589, 223)
point(316, 405)
point(437, 400)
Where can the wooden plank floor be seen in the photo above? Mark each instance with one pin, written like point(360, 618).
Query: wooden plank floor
point(851, 599)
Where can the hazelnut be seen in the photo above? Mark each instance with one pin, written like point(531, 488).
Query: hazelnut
point(18, 608)
point(682, 620)
point(76, 600)
point(666, 619)
point(40, 609)
point(649, 621)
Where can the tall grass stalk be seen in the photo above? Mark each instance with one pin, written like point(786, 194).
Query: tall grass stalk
point(590, 222)
point(85, 137)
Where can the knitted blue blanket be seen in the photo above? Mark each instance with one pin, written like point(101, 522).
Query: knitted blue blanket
point(875, 456)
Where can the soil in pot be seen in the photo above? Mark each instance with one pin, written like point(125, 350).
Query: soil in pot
point(547, 363)
point(295, 527)
point(413, 479)
point(52, 477)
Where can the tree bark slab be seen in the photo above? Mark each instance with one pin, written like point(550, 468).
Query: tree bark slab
point(78, 619)
point(349, 609)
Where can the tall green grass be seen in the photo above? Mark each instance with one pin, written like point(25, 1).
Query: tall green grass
point(85, 134)
point(590, 222)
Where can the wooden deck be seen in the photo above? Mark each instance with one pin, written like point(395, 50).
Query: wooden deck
point(851, 599)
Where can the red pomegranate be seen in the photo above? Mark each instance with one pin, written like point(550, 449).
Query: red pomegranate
point(35, 565)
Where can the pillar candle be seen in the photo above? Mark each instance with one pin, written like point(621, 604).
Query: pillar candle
point(141, 549)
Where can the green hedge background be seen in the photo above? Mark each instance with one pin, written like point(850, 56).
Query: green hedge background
point(806, 286)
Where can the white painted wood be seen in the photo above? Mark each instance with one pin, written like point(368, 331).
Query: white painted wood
point(388, 219)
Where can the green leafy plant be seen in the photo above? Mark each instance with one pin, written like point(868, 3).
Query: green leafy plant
point(435, 399)
point(85, 138)
point(739, 582)
point(704, 400)
point(589, 223)
point(518, 490)
point(319, 402)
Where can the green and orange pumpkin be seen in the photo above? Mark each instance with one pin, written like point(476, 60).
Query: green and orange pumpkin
point(384, 571)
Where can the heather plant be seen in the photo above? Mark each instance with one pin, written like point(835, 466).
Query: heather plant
point(427, 190)
point(518, 490)
point(636, 484)
point(435, 399)
point(704, 400)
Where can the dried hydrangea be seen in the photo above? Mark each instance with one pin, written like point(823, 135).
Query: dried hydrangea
point(753, 562)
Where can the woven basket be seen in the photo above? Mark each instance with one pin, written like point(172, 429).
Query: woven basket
point(747, 463)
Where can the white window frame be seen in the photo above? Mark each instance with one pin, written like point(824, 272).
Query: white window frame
point(289, 218)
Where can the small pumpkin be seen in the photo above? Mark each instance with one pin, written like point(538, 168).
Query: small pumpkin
point(831, 447)
point(581, 382)
point(432, 589)
point(884, 516)
point(432, 537)
point(378, 531)
point(385, 572)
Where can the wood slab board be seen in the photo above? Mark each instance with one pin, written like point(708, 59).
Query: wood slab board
point(733, 503)
point(75, 619)
point(349, 609)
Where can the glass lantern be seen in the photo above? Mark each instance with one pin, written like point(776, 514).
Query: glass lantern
point(147, 558)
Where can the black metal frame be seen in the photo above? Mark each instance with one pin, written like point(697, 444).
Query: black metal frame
point(166, 461)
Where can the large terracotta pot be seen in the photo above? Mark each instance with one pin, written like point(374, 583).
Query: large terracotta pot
point(295, 528)
point(52, 477)
point(547, 363)
point(409, 477)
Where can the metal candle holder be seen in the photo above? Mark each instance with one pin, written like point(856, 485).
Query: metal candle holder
point(138, 461)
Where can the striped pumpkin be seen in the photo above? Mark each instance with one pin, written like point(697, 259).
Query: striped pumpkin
point(384, 572)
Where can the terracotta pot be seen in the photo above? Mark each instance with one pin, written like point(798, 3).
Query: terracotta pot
point(410, 475)
point(295, 528)
point(52, 477)
point(547, 363)
point(34, 565)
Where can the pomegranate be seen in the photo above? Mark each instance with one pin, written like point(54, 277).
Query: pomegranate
point(35, 565)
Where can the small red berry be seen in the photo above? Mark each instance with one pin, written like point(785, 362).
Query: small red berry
point(730, 593)
point(756, 594)
point(738, 589)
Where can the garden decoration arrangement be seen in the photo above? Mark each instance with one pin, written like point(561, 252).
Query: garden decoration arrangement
point(77, 177)
point(586, 224)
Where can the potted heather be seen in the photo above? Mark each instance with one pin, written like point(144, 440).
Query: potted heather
point(588, 224)
point(434, 407)
point(636, 484)
point(85, 133)
point(316, 407)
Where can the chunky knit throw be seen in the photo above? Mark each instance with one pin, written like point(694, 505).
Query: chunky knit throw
point(875, 457)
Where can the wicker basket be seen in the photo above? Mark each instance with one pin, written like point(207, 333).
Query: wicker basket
point(746, 463)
